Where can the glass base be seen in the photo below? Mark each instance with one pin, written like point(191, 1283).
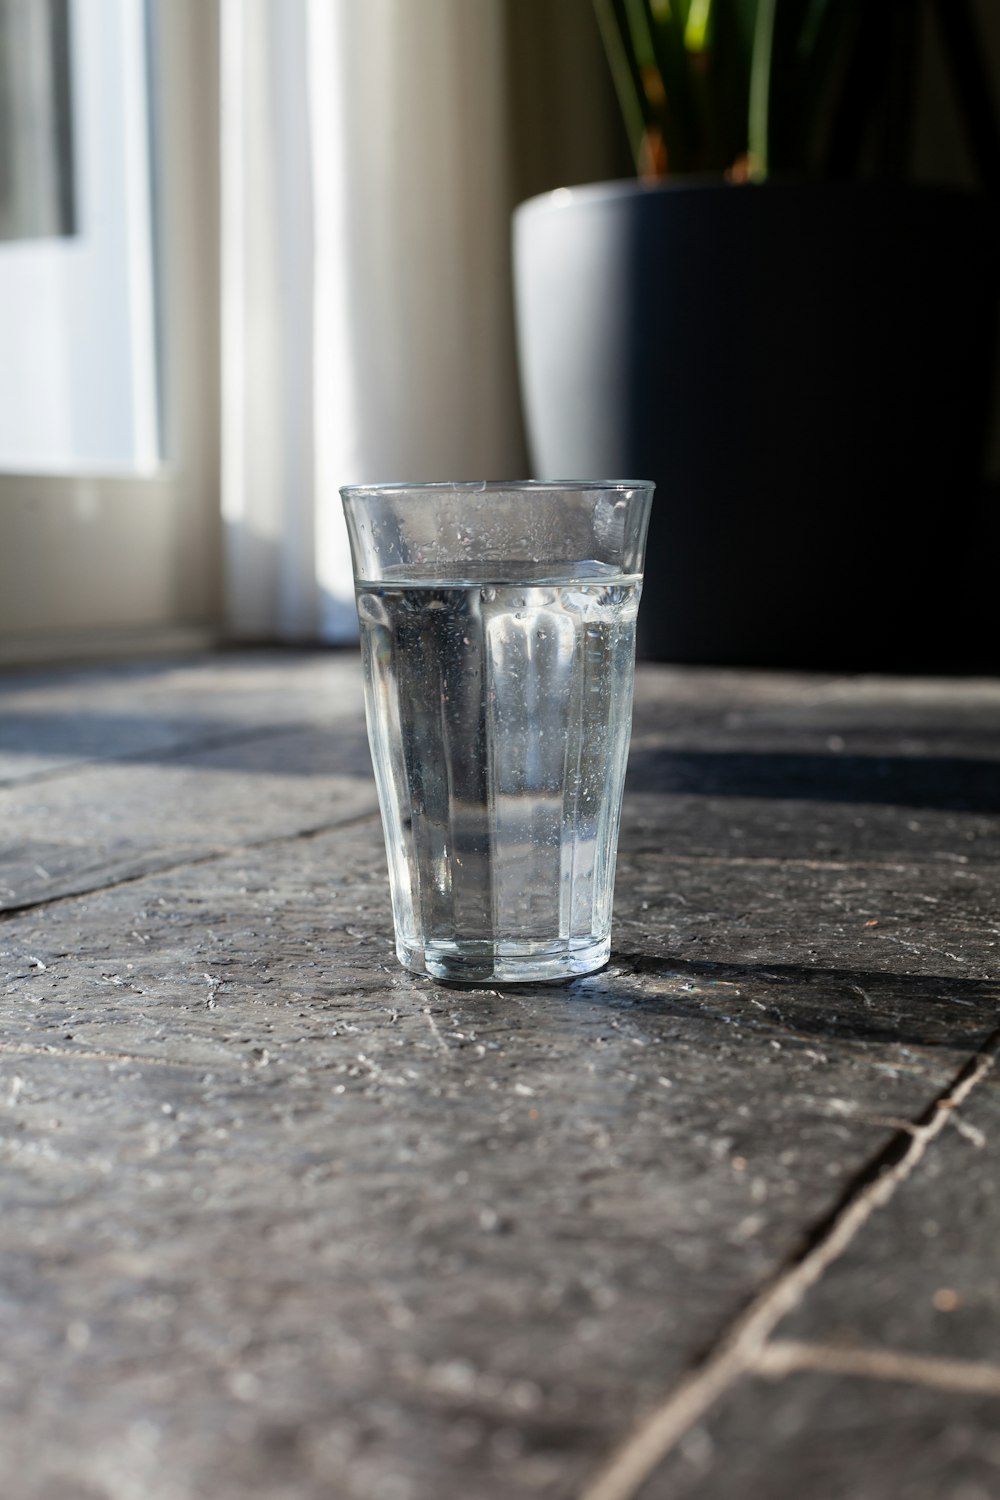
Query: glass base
point(479, 962)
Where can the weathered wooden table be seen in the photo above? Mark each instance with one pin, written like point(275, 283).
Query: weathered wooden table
point(279, 1220)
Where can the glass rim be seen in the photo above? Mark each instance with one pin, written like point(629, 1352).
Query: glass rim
point(496, 486)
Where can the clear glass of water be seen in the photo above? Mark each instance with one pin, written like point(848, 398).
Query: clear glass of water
point(498, 638)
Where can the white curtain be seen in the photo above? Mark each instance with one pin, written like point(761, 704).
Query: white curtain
point(367, 332)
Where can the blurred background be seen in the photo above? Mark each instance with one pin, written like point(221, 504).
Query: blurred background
point(251, 250)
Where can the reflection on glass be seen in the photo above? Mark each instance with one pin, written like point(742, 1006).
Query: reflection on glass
point(36, 125)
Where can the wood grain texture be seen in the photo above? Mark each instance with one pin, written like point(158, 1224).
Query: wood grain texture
point(278, 1219)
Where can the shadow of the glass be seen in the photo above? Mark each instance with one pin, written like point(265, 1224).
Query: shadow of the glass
point(791, 1001)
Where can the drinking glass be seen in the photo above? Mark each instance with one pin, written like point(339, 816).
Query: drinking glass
point(498, 639)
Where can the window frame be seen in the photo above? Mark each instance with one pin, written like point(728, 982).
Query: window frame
point(92, 562)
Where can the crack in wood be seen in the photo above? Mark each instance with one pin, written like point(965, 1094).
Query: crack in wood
point(743, 1349)
point(211, 856)
point(783, 1357)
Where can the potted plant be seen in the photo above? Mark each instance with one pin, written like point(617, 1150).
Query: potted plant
point(791, 339)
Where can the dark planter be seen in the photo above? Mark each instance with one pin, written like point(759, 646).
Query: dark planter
point(805, 371)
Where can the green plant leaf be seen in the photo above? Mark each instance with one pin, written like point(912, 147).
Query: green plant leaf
point(698, 30)
point(758, 120)
point(624, 74)
point(822, 87)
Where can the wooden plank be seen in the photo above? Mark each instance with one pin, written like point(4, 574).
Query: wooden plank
point(280, 1219)
point(379, 1234)
point(101, 824)
point(55, 720)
